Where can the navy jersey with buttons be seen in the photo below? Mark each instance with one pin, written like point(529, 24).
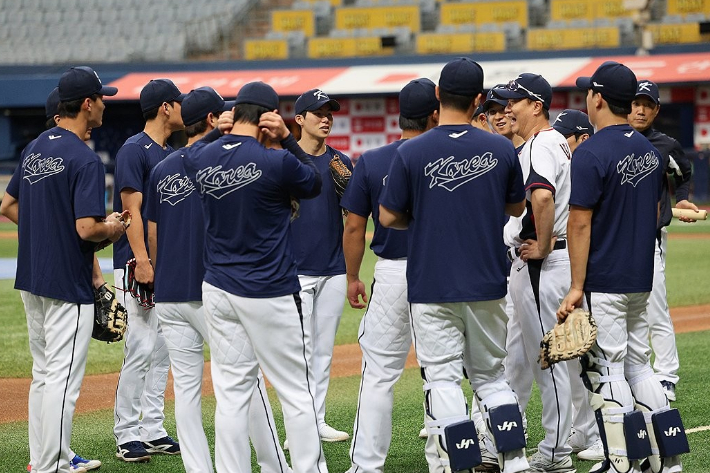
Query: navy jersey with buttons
point(616, 169)
point(134, 161)
point(318, 231)
point(53, 261)
point(362, 198)
point(248, 251)
point(441, 258)
point(175, 207)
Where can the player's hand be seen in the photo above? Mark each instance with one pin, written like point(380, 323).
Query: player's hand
point(144, 272)
point(684, 204)
point(572, 300)
point(356, 289)
point(531, 249)
point(273, 126)
point(116, 226)
point(225, 122)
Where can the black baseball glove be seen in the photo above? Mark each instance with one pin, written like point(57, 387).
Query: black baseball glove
point(110, 317)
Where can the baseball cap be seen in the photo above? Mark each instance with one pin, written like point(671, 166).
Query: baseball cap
point(258, 93)
point(491, 98)
point(649, 89)
point(478, 111)
point(573, 121)
point(158, 91)
point(527, 86)
point(52, 106)
point(313, 100)
point(200, 102)
point(80, 82)
point(462, 76)
point(616, 82)
point(418, 99)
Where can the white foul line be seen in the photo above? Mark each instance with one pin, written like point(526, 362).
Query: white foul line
point(698, 429)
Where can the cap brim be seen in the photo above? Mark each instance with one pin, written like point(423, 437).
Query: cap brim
point(563, 129)
point(334, 106)
point(487, 104)
point(109, 91)
point(584, 82)
point(228, 105)
point(644, 94)
point(180, 98)
point(509, 94)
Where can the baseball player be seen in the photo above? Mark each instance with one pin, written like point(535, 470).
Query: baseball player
point(385, 330)
point(176, 240)
point(539, 273)
point(574, 126)
point(60, 180)
point(616, 185)
point(250, 289)
point(644, 110)
point(318, 248)
point(449, 187)
point(480, 120)
point(138, 413)
point(498, 120)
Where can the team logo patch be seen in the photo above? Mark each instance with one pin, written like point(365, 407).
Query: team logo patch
point(218, 183)
point(450, 174)
point(175, 188)
point(37, 168)
point(634, 169)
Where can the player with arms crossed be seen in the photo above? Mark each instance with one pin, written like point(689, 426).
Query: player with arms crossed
point(451, 186)
point(250, 290)
point(616, 186)
point(539, 274)
point(140, 395)
point(385, 330)
point(60, 181)
point(644, 110)
point(318, 247)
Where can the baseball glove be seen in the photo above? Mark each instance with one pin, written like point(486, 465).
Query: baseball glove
point(143, 293)
point(340, 174)
point(568, 340)
point(110, 317)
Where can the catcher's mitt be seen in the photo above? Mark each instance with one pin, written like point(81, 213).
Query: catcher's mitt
point(340, 174)
point(110, 317)
point(568, 340)
point(143, 293)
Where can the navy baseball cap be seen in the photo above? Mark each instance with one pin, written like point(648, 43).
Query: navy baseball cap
point(462, 76)
point(573, 121)
point(201, 102)
point(158, 91)
point(648, 89)
point(258, 93)
point(51, 108)
point(81, 82)
point(616, 83)
point(491, 99)
point(478, 111)
point(527, 86)
point(418, 99)
point(313, 100)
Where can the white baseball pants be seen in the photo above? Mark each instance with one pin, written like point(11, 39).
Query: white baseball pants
point(246, 334)
point(537, 287)
point(322, 300)
point(59, 334)
point(385, 339)
point(140, 394)
point(666, 364)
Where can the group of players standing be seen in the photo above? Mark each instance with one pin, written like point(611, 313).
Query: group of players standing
point(241, 233)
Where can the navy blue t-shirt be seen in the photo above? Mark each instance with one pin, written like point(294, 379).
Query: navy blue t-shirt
point(245, 192)
point(454, 181)
point(617, 173)
point(318, 231)
point(362, 197)
point(175, 207)
point(134, 161)
point(60, 180)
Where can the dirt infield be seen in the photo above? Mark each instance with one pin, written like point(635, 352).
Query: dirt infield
point(97, 391)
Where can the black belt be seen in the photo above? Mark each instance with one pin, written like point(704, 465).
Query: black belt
point(515, 252)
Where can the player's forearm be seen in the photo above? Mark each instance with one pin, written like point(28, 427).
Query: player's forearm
point(136, 238)
point(543, 207)
point(96, 275)
point(353, 248)
point(393, 219)
point(579, 231)
point(94, 230)
point(153, 241)
point(10, 208)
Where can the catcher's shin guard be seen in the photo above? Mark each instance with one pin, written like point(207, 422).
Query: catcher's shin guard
point(440, 429)
point(667, 436)
point(505, 423)
point(462, 445)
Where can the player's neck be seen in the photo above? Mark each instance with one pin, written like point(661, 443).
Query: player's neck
point(245, 129)
point(158, 131)
point(604, 118)
point(449, 116)
point(407, 134)
point(79, 126)
point(311, 145)
point(540, 123)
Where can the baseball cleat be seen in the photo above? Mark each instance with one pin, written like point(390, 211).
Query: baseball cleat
point(79, 462)
point(165, 445)
point(595, 452)
point(329, 434)
point(132, 452)
point(540, 463)
point(72, 468)
point(423, 433)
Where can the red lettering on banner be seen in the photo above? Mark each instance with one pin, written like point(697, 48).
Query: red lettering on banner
point(392, 105)
point(367, 124)
point(341, 143)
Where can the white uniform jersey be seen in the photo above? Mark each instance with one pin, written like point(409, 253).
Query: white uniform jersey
point(545, 160)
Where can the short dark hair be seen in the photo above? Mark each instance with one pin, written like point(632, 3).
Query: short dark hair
point(153, 112)
point(50, 123)
point(249, 113)
point(459, 103)
point(616, 107)
point(414, 124)
point(196, 128)
point(576, 135)
point(71, 108)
